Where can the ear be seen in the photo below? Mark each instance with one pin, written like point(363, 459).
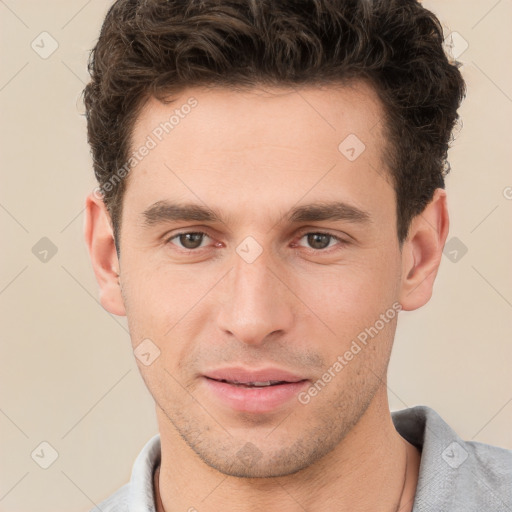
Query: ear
point(99, 238)
point(422, 252)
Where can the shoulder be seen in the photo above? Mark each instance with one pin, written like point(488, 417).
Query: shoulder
point(481, 476)
point(492, 466)
point(455, 475)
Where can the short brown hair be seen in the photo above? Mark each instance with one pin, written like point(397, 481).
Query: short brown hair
point(155, 47)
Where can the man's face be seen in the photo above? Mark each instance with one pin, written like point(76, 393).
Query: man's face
point(262, 289)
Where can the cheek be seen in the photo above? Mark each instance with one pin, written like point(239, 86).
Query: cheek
point(354, 337)
point(148, 301)
point(357, 305)
point(351, 295)
point(158, 290)
point(170, 305)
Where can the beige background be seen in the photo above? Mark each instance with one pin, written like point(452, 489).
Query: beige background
point(68, 376)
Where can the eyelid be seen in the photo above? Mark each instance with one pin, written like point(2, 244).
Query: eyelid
point(168, 238)
point(305, 231)
point(321, 231)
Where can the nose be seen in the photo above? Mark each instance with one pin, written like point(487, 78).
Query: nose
point(256, 302)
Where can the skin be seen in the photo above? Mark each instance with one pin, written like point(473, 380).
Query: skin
point(253, 156)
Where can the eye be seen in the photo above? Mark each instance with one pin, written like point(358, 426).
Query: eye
point(189, 240)
point(193, 240)
point(319, 241)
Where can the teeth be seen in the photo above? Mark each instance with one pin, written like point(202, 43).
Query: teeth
point(257, 384)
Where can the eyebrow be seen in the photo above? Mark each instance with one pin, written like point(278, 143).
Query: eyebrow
point(165, 211)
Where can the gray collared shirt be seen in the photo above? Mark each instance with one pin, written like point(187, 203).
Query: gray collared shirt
point(454, 476)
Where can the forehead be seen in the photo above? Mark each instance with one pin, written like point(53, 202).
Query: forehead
point(213, 144)
point(330, 111)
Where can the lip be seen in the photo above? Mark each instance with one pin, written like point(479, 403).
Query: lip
point(253, 399)
point(237, 374)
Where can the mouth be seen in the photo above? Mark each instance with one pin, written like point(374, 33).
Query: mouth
point(263, 384)
point(256, 391)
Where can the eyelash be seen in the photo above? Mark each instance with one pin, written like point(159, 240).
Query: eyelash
point(327, 250)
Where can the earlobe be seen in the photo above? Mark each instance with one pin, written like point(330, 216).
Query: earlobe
point(102, 251)
point(422, 252)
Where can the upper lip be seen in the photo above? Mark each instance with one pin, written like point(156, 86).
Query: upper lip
point(242, 375)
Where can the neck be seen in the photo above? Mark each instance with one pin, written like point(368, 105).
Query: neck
point(373, 468)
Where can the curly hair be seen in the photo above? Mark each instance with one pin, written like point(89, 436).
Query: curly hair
point(153, 48)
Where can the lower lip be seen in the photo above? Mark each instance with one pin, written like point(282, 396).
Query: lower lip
point(258, 400)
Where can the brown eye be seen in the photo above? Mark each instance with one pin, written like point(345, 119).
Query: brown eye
point(189, 241)
point(321, 241)
point(318, 240)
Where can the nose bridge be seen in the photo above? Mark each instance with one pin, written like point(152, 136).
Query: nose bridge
point(255, 305)
point(252, 282)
